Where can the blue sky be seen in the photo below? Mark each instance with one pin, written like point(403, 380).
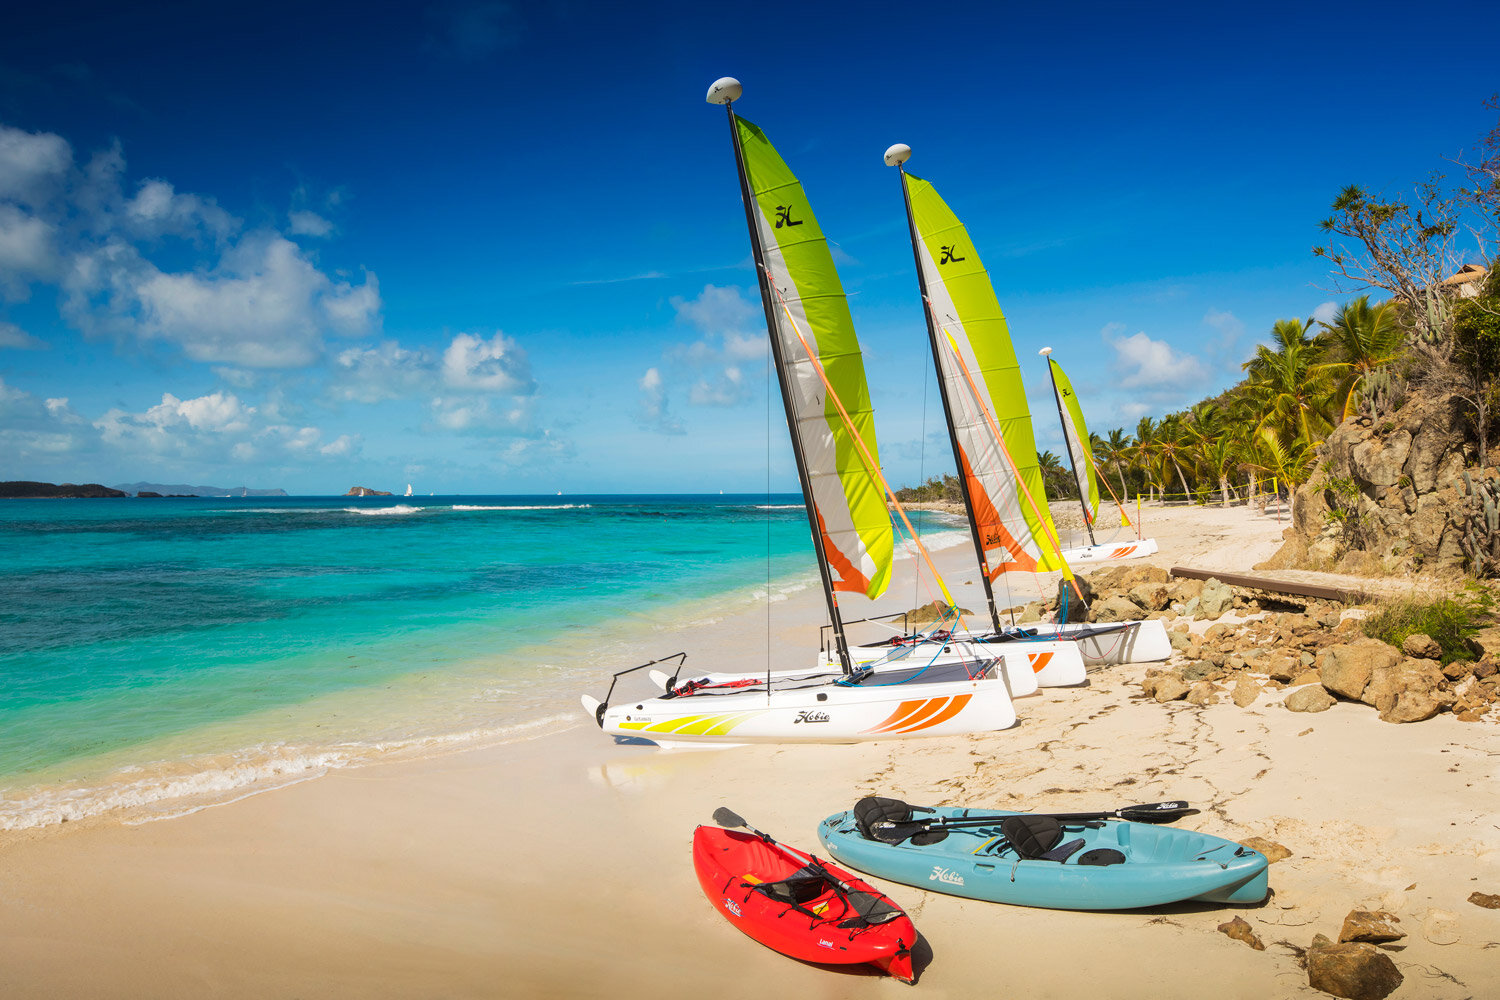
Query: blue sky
point(490, 247)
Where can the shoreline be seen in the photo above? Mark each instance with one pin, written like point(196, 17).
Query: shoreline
point(559, 866)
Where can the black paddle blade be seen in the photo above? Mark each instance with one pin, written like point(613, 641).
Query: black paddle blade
point(1155, 812)
point(728, 818)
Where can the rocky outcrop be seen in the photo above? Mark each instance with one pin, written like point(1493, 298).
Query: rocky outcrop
point(23, 490)
point(365, 491)
point(1396, 495)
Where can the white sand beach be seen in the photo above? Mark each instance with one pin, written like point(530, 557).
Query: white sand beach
point(560, 866)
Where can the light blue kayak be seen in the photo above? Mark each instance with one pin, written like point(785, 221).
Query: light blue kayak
point(1106, 864)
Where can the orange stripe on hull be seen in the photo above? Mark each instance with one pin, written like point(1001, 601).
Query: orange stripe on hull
point(956, 705)
point(903, 712)
point(914, 716)
point(1039, 661)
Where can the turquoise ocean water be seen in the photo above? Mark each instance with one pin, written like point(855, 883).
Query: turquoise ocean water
point(153, 652)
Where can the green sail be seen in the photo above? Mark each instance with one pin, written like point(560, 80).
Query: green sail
point(1077, 433)
point(984, 391)
point(810, 314)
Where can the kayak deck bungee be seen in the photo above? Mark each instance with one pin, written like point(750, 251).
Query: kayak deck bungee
point(1097, 864)
point(804, 908)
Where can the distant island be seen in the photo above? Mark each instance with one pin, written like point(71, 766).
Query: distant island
point(184, 490)
point(53, 491)
point(365, 491)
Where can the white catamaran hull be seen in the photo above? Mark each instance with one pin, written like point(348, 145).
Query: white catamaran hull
point(1110, 550)
point(822, 712)
point(1138, 642)
point(1047, 664)
point(1027, 666)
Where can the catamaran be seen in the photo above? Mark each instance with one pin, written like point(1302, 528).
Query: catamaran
point(1081, 458)
point(989, 427)
point(821, 374)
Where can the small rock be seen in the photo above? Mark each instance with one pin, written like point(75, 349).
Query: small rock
point(1216, 599)
point(1273, 851)
point(1195, 671)
point(1421, 646)
point(1309, 699)
point(1202, 693)
point(1240, 930)
point(1356, 971)
point(1374, 926)
point(1245, 691)
point(1170, 687)
point(1485, 899)
point(1179, 640)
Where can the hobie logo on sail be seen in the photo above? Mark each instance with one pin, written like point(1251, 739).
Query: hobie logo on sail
point(950, 254)
point(784, 217)
point(948, 875)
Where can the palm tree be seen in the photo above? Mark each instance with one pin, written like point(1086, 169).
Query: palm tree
point(1172, 447)
point(1114, 452)
point(1144, 452)
point(1364, 339)
point(1289, 388)
point(1056, 480)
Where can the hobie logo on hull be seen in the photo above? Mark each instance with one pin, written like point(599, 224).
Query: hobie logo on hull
point(945, 875)
point(731, 906)
point(808, 715)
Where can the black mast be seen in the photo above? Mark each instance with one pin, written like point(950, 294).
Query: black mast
point(748, 197)
point(1083, 501)
point(958, 457)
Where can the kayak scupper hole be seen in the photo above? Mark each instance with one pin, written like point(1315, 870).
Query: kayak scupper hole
point(822, 696)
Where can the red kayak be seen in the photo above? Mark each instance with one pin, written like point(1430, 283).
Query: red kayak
point(800, 906)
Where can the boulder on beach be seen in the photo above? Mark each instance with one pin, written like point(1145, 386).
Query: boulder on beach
point(1355, 970)
point(1373, 926)
point(1309, 699)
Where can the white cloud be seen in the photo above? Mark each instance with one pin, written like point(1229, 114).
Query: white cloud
point(28, 251)
point(385, 371)
point(32, 165)
point(158, 210)
point(37, 431)
point(729, 389)
point(305, 223)
point(253, 299)
point(716, 308)
point(498, 365)
point(1141, 362)
point(343, 446)
point(15, 338)
point(1325, 312)
point(653, 404)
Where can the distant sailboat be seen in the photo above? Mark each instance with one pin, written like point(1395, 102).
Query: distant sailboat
point(408, 489)
point(821, 374)
point(1081, 458)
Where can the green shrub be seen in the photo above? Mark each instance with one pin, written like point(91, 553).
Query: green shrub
point(1451, 621)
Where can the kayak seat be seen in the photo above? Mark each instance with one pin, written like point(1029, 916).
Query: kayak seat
point(1031, 837)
